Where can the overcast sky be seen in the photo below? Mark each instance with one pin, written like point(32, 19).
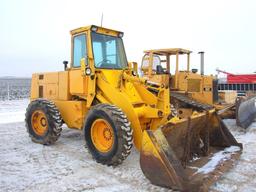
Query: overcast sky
point(34, 35)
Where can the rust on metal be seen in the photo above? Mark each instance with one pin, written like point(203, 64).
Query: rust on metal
point(189, 155)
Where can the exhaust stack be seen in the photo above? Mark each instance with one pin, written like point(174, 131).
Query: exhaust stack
point(202, 61)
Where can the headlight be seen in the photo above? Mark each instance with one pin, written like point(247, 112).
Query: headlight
point(88, 71)
point(121, 34)
point(94, 28)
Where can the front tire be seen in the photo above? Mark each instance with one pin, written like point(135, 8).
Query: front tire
point(43, 121)
point(108, 134)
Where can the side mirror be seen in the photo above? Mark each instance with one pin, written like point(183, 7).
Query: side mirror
point(65, 63)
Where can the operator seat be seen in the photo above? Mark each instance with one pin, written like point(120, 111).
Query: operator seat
point(159, 70)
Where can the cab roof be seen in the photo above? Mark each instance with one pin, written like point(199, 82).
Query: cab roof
point(99, 29)
point(168, 51)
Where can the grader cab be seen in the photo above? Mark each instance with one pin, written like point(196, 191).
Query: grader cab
point(101, 94)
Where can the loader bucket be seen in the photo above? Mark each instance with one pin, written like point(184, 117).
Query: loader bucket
point(245, 111)
point(189, 155)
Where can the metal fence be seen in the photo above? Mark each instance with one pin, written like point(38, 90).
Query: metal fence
point(14, 88)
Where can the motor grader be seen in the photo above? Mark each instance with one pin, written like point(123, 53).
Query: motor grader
point(190, 90)
point(101, 94)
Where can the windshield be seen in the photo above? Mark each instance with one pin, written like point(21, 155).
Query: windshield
point(108, 52)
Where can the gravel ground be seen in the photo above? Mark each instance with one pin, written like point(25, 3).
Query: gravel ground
point(68, 166)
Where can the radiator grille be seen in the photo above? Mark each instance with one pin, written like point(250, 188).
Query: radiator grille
point(41, 91)
point(194, 85)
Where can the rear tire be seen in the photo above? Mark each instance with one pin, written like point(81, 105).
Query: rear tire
point(114, 118)
point(43, 121)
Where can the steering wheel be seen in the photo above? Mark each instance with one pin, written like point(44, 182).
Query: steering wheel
point(103, 61)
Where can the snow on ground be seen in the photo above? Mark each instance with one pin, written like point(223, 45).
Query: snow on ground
point(13, 110)
point(217, 158)
point(242, 177)
point(68, 166)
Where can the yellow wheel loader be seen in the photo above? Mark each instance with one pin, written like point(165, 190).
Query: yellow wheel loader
point(101, 95)
point(192, 91)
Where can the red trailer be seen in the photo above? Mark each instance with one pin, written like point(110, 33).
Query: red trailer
point(244, 85)
point(239, 78)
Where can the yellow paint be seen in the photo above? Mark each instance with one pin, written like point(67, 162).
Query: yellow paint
point(64, 94)
point(72, 112)
point(78, 84)
point(117, 96)
point(102, 135)
point(39, 122)
point(148, 147)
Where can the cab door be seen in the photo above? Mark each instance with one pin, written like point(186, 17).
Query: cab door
point(78, 81)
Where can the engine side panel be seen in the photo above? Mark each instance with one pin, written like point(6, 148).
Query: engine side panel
point(56, 87)
point(53, 86)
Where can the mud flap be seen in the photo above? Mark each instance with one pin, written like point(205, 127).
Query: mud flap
point(189, 155)
point(245, 111)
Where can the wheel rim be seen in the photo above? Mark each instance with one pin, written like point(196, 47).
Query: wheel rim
point(39, 122)
point(102, 135)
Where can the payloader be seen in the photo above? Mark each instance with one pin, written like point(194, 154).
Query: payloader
point(101, 94)
point(191, 90)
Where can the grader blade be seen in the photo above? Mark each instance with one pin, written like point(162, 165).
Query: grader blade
point(245, 111)
point(189, 155)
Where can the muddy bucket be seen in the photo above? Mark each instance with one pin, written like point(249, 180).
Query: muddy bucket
point(189, 154)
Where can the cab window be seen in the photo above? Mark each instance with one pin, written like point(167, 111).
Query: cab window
point(79, 50)
point(108, 51)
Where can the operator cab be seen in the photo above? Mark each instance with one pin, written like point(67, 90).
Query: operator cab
point(159, 60)
point(156, 63)
point(96, 47)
